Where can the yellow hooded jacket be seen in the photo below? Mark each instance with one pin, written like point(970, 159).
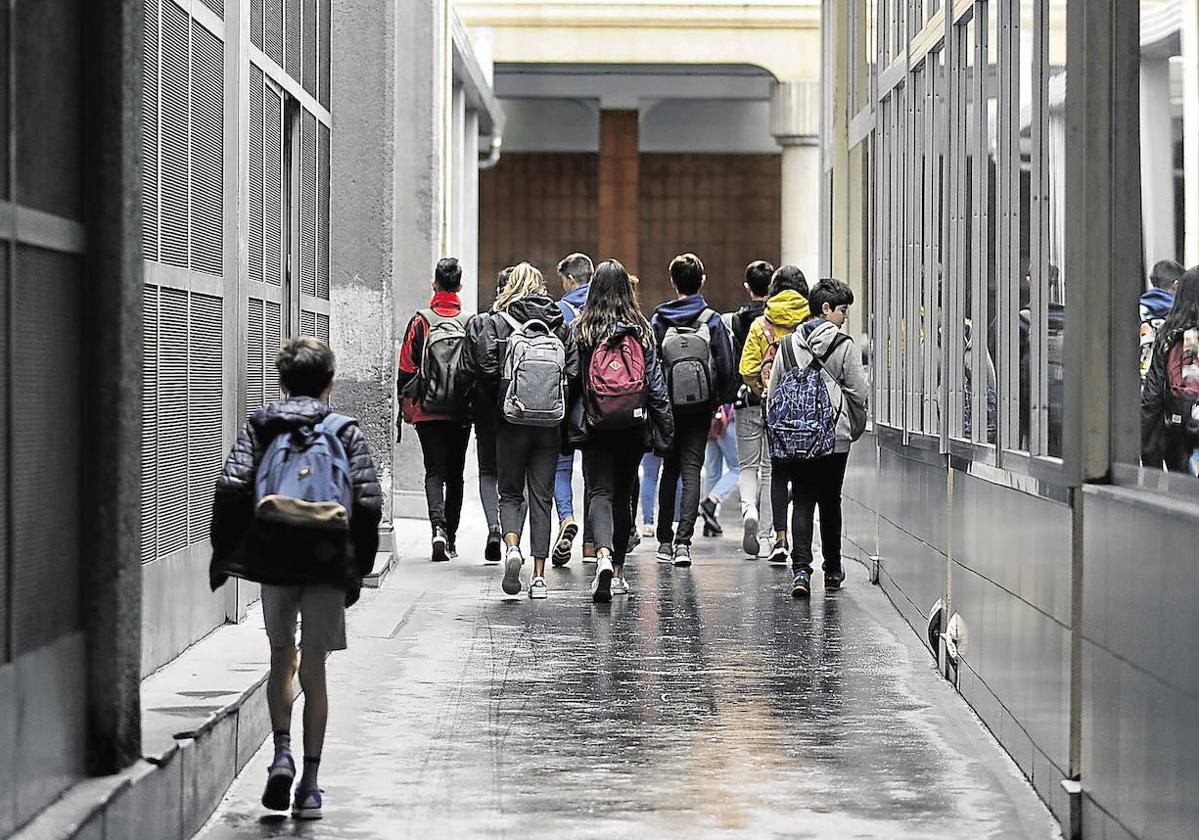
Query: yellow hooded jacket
point(785, 311)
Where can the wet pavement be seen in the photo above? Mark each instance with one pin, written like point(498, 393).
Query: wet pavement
point(708, 704)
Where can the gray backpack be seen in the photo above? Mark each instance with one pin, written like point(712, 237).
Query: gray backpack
point(535, 372)
point(687, 363)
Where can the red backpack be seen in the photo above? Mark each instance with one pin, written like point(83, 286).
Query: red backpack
point(1182, 388)
point(616, 384)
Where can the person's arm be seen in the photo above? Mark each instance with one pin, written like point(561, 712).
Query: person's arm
point(855, 386)
point(368, 500)
point(233, 500)
point(752, 357)
point(410, 353)
point(1153, 408)
point(722, 355)
point(661, 415)
point(573, 378)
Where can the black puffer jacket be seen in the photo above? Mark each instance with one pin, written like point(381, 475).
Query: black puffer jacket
point(245, 548)
point(659, 431)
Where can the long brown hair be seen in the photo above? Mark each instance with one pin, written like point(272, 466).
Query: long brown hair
point(610, 304)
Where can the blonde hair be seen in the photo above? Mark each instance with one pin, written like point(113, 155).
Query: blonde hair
point(525, 280)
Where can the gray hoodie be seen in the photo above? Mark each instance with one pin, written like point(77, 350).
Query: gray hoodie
point(843, 375)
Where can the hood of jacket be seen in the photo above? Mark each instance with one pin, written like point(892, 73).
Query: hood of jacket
point(819, 335)
point(751, 310)
point(537, 308)
point(787, 309)
point(681, 312)
point(288, 414)
point(1157, 303)
point(577, 297)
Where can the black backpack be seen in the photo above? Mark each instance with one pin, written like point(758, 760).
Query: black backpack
point(440, 364)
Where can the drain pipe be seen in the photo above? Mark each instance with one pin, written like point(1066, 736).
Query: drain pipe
point(493, 157)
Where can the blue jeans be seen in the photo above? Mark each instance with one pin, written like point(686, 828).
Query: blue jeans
point(722, 467)
point(651, 468)
point(563, 489)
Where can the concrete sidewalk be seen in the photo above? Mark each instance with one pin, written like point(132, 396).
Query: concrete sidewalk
point(709, 704)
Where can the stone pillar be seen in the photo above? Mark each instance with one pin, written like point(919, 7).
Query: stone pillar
point(619, 173)
point(470, 213)
point(795, 124)
point(389, 63)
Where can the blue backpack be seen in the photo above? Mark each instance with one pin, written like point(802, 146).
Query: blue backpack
point(304, 478)
point(800, 416)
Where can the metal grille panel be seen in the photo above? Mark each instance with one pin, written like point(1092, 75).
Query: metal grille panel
point(272, 341)
point(308, 204)
point(322, 327)
point(256, 174)
point(4, 65)
point(255, 378)
point(272, 27)
point(205, 405)
point(292, 48)
point(272, 187)
point(150, 139)
point(256, 23)
point(307, 323)
point(322, 204)
point(172, 421)
point(46, 414)
point(207, 150)
point(310, 42)
point(4, 501)
point(149, 422)
point(324, 26)
point(217, 6)
point(175, 201)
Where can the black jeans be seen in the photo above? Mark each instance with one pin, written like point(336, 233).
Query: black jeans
point(686, 459)
point(486, 426)
point(610, 464)
point(527, 458)
point(807, 484)
point(443, 444)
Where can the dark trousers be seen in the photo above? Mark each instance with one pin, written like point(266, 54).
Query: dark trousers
point(685, 460)
point(527, 458)
point(486, 427)
point(807, 484)
point(443, 444)
point(610, 464)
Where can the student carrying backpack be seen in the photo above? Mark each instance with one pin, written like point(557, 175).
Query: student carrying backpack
point(816, 408)
point(297, 509)
point(435, 399)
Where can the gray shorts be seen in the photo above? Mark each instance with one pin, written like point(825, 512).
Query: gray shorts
point(322, 613)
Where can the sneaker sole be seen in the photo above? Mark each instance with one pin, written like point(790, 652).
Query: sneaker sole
point(681, 564)
point(833, 587)
point(306, 813)
point(777, 561)
point(749, 539)
point(439, 551)
point(603, 592)
point(566, 541)
point(511, 582)
point(535, 595)
point(277, 796)
point(800, 591)
point(590, 559)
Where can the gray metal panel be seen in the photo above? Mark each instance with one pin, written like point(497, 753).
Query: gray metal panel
point(205, 444)
point(272, 187)
point(254, 211)
point(308, 209)
point(256, 23)
point(254, 356)
point(172, 421)
point(292, 39)
point(151, 79)
point(178, 608)
point(7, 70)
point(48, 48)
point(46, 415)
point(217, 6)
point(324, 25)
point(912, 527)
point(5, 655)
point(272, 26)
point(149, 471)
point(175, 201)
point(207, 151)
point(322, 206)
point(310, 48)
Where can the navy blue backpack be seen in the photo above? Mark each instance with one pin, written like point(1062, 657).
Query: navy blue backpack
point(800, 416)
point(304, 478)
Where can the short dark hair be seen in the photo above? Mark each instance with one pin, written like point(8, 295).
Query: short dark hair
point(1165, 274)
point(687, 273)
point(833, 292)
point(448, 274)
point(757, 277)
point(306, 366)
point(578, 266)
point(788, 278)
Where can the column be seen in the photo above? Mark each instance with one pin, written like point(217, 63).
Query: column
point(1157, 161)
point(1190, 126)
point(795, 124)
point(619, 168)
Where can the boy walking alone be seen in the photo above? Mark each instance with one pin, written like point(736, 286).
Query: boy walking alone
point(697, 361)
point(309, 538)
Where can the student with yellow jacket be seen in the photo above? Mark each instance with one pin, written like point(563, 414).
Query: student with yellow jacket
point(786, 308)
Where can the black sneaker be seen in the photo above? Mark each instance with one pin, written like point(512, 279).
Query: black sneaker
point(440, 545)
point(801, 585)
point(833, 581)
point(707, 509)
point(778, 554)
point(492, 551)
point(682, 555)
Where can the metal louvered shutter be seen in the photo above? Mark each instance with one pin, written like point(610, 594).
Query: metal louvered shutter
point(256, 174)
point(5, 560)
point(322, 327)
point(272, 340)
point(149, 423)
point(324, 25)
point(217, 6)
point(322, 220)
point(150, 140)
point(307, 204)
point(172, 420)
point(255, 372)
point(207, 151)
point(205, 404)
point(175, 229)
point(256, 23)
point(307, 323)
point(309, 47)
point(272, 27)
point(272, 186)
point(293, 58)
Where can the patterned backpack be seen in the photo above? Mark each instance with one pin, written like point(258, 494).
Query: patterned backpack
point(800, 416)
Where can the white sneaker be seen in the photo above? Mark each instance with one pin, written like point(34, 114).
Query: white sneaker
point(620, 586)
point(601, 585)
point(538, 589)
point(513, 560)
point(648, 530)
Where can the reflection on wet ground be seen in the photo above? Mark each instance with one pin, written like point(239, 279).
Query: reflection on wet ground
point(709, 704)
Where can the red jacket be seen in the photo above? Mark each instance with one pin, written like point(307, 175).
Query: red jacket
point(443, 303)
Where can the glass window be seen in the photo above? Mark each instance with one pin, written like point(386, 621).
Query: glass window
point(1051, 285)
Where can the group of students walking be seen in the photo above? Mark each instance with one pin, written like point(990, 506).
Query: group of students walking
point(541, 380)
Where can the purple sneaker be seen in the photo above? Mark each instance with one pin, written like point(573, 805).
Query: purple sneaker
point(307, 805)
point(279, 777)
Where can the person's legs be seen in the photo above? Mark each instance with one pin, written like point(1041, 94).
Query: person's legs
point(512, 445)
point(564, 489)
point(780, 498)
point(323, 619)
point(668, 491)
point(598, 473)
point(624, 476)
point(730, 475)
point(828, 484)
point(691, 440)
point(457, 440)
point(542, 463)
point(749, 453)
point(713, 466)
point(485, 430)
point(651, 466)
point(765, 470)
point(434, 445)
point(803, 513)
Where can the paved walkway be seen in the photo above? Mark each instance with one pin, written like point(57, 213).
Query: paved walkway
point(709, 704)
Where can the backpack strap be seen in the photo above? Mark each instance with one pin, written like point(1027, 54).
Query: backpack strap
point(789, 358)
point(704, 317)
point(334, 423)
point(516, 325)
